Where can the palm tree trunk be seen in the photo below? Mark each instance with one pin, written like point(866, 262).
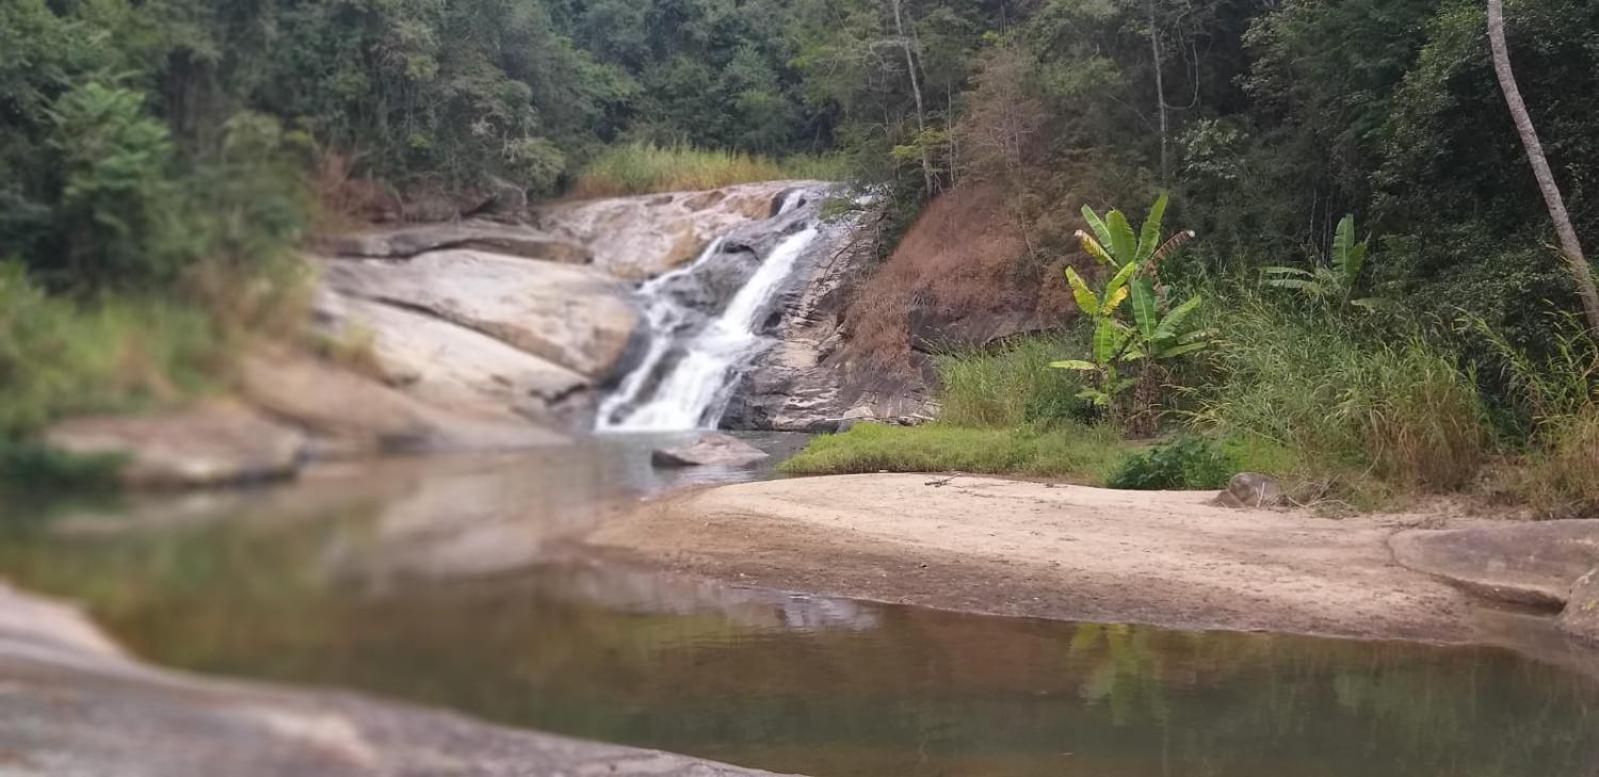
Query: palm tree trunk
point(1569, 246)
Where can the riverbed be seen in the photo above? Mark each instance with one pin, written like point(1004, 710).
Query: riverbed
point(454, 583)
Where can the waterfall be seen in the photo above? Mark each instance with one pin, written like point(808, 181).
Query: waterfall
point(686, 377)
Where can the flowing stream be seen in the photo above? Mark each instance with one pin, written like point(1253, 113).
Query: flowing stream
point(686, 377)
point(372, 577)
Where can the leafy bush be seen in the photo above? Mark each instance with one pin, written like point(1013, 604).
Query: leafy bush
point(644, 168)
point(31, 467)
point(1012, 385)
point(1400, 407)
point(1187, 462)
point(1080, 452)
point(58, 356)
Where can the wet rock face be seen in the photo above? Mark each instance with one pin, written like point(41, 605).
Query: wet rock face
point(808, 381)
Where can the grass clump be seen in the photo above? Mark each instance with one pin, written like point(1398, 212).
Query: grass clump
point(647, 168)
point(1082, 453)
point(1400, 409)
point(1013, 386)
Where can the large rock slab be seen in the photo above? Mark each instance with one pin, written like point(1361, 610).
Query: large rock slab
point(351, 414)
point(1520, 563)
point(577, 319)
point(710, 450)
point(457, 368)
point(75, 705)
point(635, 238)
point(486, 236)
point(213, 444)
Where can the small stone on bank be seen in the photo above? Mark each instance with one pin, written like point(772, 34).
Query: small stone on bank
point(1252, 489)
point(712, 449)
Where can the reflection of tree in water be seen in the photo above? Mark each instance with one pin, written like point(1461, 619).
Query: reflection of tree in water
point(1126, 671)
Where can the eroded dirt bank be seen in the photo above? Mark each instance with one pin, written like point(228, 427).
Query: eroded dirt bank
point(1018, 548)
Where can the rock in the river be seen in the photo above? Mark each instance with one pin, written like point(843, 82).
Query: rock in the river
point(76, 705)
point(1520, 563)
point(1581, 616)
point(1252, 489)
point(713, 449)
point(213, 444)
point(486, 236)
point(635, 238)
point(351, 414)
point(570, 316)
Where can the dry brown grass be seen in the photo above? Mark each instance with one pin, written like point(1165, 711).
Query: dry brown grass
point(963, 258)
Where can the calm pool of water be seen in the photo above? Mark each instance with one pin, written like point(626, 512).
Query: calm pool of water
point(411, 580)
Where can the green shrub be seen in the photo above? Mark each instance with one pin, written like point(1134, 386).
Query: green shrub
point(1012, 385)
point(31, 467)
point(1078, 452)
point(58, 356)
point(1188, 462)
point(1398, 407)
point(644, 168)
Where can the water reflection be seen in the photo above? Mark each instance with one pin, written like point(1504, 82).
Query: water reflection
point(353, 582)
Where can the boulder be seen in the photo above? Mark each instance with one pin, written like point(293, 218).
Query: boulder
point(1581, 617)
point(566, 315)
point(486, 236)
point(352, 414)
point(635, 238)
point(1252, 489)
point(456, 368)
point(213, 444)
point(1533, 564)
point(712, 449)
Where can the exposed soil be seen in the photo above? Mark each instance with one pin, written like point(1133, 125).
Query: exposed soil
point(1035, 549)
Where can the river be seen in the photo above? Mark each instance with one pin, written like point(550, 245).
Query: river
point(454, 582)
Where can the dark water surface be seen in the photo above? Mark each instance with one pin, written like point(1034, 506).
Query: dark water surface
point(411, 580)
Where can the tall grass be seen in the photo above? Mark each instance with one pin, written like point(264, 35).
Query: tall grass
point(646, 168)
point(1012, 385)
point(59, 356)
point(1394, 406)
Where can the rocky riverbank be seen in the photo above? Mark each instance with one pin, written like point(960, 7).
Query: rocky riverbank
point(1167, 558)
point(487, 335)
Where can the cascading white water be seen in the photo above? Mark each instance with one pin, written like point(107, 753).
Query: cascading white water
point(695, 390)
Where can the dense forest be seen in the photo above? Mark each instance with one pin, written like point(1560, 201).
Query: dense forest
point(160, 159)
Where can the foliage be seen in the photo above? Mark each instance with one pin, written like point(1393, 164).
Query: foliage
point(644, 168)
point(1071, 451)
point(59, 357)
point(1335, 282)
point(1157, 333)
point(1391, 404)
point(1012, 385)
point(1188, 462)
point(30, 467)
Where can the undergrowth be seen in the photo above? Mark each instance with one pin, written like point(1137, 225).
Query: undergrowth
point(646, 168)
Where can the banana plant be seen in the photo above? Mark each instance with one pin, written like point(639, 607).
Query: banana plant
point(1152, 334)
point(1335, 282)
